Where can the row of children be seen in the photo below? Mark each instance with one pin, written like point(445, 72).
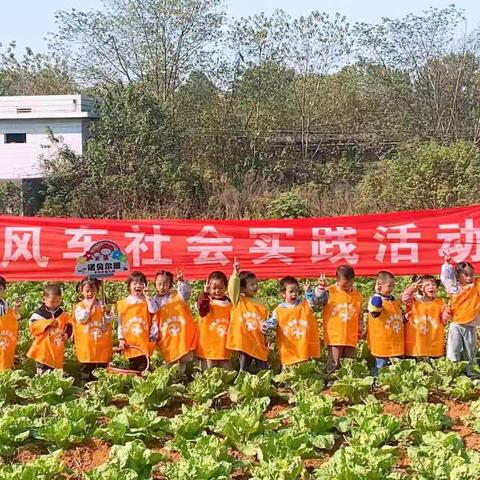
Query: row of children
point(233, 319)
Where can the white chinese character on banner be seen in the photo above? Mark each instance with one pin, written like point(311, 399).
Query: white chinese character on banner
point(398, 239)
point(139, 244)
point(268, 244)
point(17, 241)
point(81, 240)
point(211, 246)
point(459, 241)
point(334, 244)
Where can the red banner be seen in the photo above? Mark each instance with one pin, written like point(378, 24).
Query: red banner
point(35, 248)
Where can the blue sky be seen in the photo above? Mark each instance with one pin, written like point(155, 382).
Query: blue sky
point(28, 21)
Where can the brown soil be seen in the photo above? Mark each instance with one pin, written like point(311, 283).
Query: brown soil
point(403, 460)
point(87, 456)
point(27, 454)
point(395, 409)
point(312, 463)
point(275, 410)
point(457, 410)
point(340, 410)
point(172, 456)
point(170, 411)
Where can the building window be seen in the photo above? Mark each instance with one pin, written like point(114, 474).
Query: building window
point(15, 138)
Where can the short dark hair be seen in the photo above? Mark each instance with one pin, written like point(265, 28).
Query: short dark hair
point(164, 273)
point(384, 276)
point(217, 275)
point(3, 283)
point(136, 276)
point(288, 280)
point(52, 289)
point(345, 272)
point(462, 266)
point(244, 276)
point(91, 282)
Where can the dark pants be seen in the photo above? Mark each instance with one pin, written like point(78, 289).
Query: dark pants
point(138, 363)
point(335, 355)
point(246, 361)
point(86, 370)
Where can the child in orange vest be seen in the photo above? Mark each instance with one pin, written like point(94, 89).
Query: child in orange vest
point(464, 292)
point(342, 316)
point(247, 316)
point(214, 309)
point(50, 327)
point(135, 314)
point(426, 317)
point(297, 333)
point(173, 327)
point(92, 330)
point(385, 323)
point(8, 329)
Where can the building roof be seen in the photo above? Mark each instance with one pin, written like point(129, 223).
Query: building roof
point(47, 106)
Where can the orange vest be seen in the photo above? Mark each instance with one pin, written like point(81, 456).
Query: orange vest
point(136, 322)
point(385, 333)
point(8, 339)
point(341, 317)
point(178, 332)
point(244, 333)
point(48, 346)
point(212, 333)
point(298, 338)
point(93, 339)
point(425, 331)
point(466, 304)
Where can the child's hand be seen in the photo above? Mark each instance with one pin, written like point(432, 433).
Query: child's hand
point(64, 337)
point(122, 344)
point(146, 292)
point(264, 328)
point(236, 266)
point(90, 302)
point(206, 287)
point(447, 258)
point(322, 282)
point(179, 275)
point(307, 287)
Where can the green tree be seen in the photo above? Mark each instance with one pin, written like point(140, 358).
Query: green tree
point(33, 74)
point(131, 166)
point(423, 176)
point(157, 43)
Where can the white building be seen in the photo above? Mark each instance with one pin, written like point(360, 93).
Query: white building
point(24, 126)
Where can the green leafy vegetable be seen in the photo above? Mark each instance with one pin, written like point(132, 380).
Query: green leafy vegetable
point(210, 384)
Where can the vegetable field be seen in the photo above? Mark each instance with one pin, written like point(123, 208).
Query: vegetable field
point(417, 421)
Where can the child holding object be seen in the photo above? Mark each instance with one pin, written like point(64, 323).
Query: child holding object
point(385, 323)
point(135, 313)
point(8, 329)
point(342, 316)
point(214, 308)
point(297, 334)
point(173, 327)
point(50, 327)
point(464, 292)
point(247, 316)
point(92, 329)
point(426, 317)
